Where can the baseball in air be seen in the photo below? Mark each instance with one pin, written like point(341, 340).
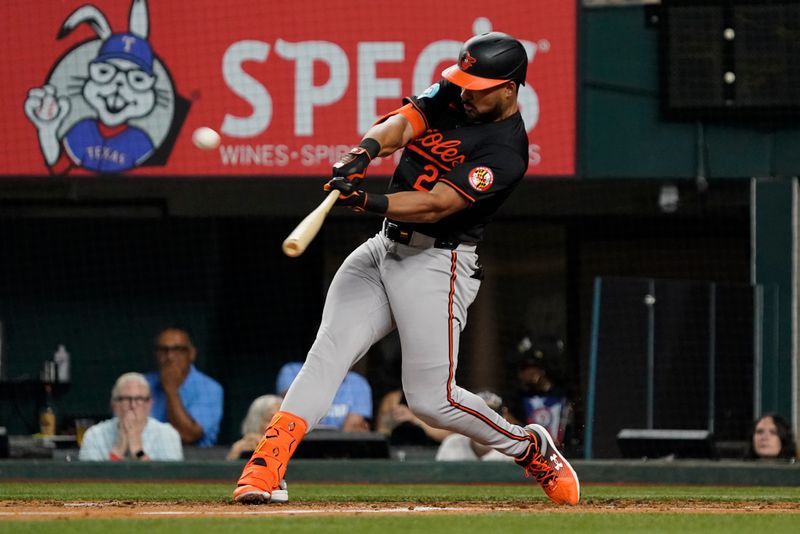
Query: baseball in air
point(205, 138)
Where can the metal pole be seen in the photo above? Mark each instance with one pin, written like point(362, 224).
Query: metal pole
point(758, 340)
point(712, 356)
point(590, 398)
point(650, 301)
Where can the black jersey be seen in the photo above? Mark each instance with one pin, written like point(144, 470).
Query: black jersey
point(484, 162)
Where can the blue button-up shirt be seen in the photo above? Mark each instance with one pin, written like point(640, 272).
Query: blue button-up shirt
point(353, 396)
point(200, 394)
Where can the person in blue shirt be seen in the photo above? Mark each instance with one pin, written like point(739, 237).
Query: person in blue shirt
point(183, 396)
point(351, 410)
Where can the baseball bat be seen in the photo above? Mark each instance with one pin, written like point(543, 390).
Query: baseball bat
point(297, 241)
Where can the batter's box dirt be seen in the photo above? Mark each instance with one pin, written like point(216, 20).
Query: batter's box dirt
point(129, 509)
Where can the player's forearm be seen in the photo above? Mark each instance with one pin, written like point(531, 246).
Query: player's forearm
point(392, 134)
point(414, 206)
point(424, 206)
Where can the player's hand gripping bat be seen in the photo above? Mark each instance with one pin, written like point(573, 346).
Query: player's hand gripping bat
point(297, 241)
point(348, 172)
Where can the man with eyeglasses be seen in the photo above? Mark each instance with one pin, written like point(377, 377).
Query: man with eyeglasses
point(183, 396)
point(131, 434)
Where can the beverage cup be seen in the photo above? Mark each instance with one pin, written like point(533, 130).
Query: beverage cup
point(81, 426)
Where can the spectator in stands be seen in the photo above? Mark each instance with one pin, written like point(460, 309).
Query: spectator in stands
point(255, 422)
point(538, 395)
point(456, 447)
point(190, 400)
point(351, 410)
point(131, 433)
point(772, 439)
point(397, 422)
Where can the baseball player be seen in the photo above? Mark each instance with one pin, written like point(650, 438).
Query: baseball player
point(466, 149)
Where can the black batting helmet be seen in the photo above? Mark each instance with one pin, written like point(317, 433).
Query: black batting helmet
point(487, 60)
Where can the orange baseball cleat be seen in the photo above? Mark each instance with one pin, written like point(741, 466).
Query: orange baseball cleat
point(550, 469)
point(262, 480)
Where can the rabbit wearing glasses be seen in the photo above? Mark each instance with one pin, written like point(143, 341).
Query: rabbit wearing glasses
point(108, 103)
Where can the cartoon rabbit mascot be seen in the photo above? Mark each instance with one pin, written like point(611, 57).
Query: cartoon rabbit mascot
point(119, 87)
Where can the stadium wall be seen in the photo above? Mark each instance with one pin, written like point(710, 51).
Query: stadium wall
point(89, 244)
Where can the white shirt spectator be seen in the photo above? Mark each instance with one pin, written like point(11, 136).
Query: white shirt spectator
point(457, 447)
point(160, 441)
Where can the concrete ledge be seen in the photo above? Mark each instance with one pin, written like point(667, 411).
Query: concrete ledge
point(726, 473)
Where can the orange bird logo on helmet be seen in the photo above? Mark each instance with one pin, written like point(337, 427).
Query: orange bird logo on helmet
point(467, 61)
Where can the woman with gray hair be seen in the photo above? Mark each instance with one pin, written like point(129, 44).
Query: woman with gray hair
point(131, 433)
point(258, 415)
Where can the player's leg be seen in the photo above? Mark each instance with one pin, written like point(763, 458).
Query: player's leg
point(429, 293)
point(430, 316)
point(356, 314)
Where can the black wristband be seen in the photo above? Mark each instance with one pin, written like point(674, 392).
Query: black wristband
point(372, 147)
point(376, 203)
point(140, 454)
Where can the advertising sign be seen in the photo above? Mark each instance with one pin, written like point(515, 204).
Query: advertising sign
point(118, 87)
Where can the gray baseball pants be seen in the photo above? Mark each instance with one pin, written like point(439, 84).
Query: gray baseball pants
point(424, 292)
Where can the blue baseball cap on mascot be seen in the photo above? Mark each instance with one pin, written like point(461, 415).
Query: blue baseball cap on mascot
point(130, 47)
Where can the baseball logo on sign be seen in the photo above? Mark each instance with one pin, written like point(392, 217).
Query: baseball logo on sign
point(481, 178)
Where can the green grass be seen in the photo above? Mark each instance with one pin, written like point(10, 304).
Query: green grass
point(215, 492)
point(506, 523)
point(561, 521)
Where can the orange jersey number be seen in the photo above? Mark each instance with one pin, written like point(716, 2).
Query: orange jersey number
point(424, 180)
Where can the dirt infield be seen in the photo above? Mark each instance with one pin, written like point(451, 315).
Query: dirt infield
point(26, 510)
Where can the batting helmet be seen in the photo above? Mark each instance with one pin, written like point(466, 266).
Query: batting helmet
point(487, 60)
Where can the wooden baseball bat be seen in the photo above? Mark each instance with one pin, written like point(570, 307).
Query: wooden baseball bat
point(297, 241)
